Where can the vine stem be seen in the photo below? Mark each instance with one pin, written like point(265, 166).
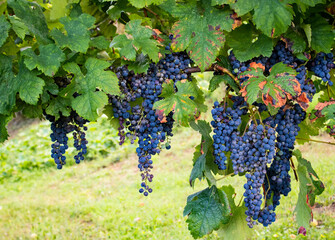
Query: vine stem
point(213, 68)
point(318, 141)
point(230, 174)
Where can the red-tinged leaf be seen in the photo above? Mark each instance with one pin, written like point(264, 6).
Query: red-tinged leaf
point(204, 41)
point(161, 116)
point(274, 89)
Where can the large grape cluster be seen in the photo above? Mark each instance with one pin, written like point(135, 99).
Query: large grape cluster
point(286, 124)
point(60, 128)
point(134, 109)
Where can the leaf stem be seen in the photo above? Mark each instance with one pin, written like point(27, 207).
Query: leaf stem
point(314, 140)
point(230, 174)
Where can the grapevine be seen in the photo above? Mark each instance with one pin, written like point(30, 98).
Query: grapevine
point(138, 63)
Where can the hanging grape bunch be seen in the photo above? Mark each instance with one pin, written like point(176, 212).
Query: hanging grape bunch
point(136, 115)
point(60, 129)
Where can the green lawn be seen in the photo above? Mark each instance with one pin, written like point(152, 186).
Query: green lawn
point(99, 199)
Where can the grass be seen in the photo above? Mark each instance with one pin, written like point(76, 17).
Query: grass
point(99, 199)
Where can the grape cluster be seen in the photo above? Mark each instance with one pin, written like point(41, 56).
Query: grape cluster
point(60, 128)
point(286, 124)
point(251, 153)
point(321, 66)
point(134, 109)
point(225, 123)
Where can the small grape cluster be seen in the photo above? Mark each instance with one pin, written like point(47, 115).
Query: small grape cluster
point(60, 128)
point(321, 66)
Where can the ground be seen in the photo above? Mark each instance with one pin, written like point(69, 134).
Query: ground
point(99, 199)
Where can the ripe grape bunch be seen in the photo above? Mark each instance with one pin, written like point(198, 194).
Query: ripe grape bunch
point(60, 128)
point(134, 110)
point(263, 152)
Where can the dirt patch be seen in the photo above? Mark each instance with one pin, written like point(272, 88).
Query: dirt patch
point(19, 123)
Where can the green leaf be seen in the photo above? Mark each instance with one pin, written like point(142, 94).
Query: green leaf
point(90, 100)
point(32, 16)
point(48, 61)
point(204, 41)
point(4, 28)
point(308, 32)
point(30, 87)
point(273, 23)
point(18, 26)
point(140, 40)
point(4, 120)
point(77, 35)
point(305, 4)
point(178, 102)
point(140, 65)
point(99, 43)
point(322, 35)
point(206, 211)
point(221, 2)
point(298, 40)
point(274, 88)
point(145, 3)
point(8, 88)
point(307, 129)
point(236, 226)
point(32, 111)
point(244, 46)
point(203, 153)
point(302, 209)
point(59, 105)
point(217, 79)
point(58, 9)
point(242, 7)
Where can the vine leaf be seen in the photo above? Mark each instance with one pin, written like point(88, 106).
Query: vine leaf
point(140, 65)
point(203, 155)
point(206, 210)
point(273, 89)
point(297, 39)
point(245, 48)
point(58, 9)
point(204, 41)
point(29, 86)
point(77, 36)
point(236, 225)
point(179, 101)
point(141, 41)
point(4, 120)
point(7, 85)
point(272, 23)
point(242, 7)
point(18, 26)
point(322, 35)
point(59, 105)
point(304, 4)
point(4, 28)
point(145, 3)
point(329, 113)
point(91, 87)
point(217, 79)
point(32, 16)
point(48, 61)
point(100, 43)
point(309, 187)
